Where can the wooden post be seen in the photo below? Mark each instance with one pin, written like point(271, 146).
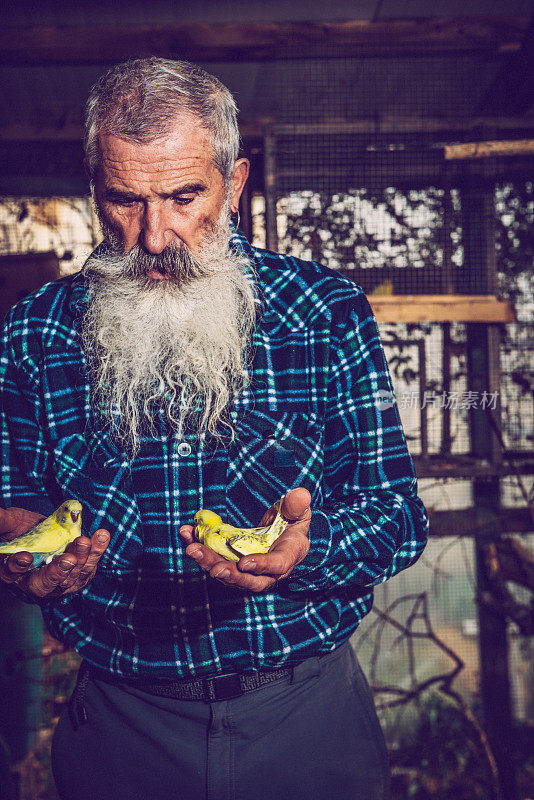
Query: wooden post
point(422, 389)
point(446, 387)
point(483, 376)
point(269, 173)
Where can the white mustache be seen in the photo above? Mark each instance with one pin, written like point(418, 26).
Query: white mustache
point(175, 261)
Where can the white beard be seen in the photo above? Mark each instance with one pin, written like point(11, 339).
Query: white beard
point(177, 346)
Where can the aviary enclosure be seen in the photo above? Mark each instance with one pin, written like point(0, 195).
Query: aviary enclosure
point(403, 157)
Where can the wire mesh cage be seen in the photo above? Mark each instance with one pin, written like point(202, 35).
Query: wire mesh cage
point(382, 168)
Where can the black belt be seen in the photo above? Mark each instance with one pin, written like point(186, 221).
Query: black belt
point(209, 689)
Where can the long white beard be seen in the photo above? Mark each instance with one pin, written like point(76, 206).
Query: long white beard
point(175, 347)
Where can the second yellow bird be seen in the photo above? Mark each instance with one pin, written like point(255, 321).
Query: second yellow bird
point(232, 542)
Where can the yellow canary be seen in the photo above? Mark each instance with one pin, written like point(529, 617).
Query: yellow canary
point(49, 537)
point(231, 542)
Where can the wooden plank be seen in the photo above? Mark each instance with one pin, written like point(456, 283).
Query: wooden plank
point(466, 521)
point(510, 147)
point(396, 123)
point(262, 41)
point(441, 308)
point(65, 124)
point(458, 466)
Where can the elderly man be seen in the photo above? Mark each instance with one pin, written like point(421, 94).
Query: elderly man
point(185, 369)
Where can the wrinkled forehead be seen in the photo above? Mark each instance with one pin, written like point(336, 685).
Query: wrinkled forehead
point(185, 143)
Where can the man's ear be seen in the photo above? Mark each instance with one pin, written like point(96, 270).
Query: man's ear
point(238, 180)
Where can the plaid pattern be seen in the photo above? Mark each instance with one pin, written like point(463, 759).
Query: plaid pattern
point(309, 417)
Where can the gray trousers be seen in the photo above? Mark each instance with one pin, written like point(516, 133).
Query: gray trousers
point(312, 736)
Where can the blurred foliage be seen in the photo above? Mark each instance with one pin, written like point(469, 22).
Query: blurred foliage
point(438, 758)
point(33, 775)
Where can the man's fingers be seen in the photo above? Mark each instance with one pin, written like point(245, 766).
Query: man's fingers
point(292, 545)
point(41, 582)
point(288, 551)
point(186, 532)
point(15, 565)
point(258, 571)
point(66, 574)
point(98, 543)
point(80, 549)
point(296, 504)
point(226, 572)
point(203, 555)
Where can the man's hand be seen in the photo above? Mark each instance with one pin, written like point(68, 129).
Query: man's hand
point(259, 571)
point(66, 574)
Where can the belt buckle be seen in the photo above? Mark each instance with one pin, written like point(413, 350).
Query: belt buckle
point(222, 687)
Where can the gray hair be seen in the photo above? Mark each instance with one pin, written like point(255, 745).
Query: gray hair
point(140, 99)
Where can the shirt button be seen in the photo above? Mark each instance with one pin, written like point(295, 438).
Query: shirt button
point(184, 449)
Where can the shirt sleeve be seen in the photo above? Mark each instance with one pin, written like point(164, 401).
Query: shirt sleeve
point(372, 523)
point(24, 455)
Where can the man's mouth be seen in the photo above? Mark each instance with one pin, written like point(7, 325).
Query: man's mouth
point(157, 275)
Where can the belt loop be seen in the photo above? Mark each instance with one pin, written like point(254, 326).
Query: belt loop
point(208, 690)
point(306, 669)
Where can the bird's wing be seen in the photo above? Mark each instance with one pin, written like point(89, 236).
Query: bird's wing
point(218, 543)
point(248, 543)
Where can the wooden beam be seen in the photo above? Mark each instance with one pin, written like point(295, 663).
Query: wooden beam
point(510, 147)
point(466, 521)
point(389, 123)
point(262, 41)
point(440, 308)
point(55, 124)
point(468, 467)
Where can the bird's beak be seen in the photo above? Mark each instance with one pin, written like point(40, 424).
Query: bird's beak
point(74, 515)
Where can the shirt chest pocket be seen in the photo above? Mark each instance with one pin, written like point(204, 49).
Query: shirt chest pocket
point(273, 452)
point(90, 470)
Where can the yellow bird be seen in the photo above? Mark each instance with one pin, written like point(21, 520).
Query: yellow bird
point(231, 542)
point(49, 537)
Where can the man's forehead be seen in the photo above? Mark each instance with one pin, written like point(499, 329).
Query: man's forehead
point(186, 141)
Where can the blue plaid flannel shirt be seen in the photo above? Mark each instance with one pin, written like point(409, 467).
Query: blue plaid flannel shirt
point(309, 417)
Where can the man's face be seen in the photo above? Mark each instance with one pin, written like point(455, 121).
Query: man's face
point(164, 193)
point(152, 346)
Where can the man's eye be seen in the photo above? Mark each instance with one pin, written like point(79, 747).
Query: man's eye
point(122, 202)
point(183, 201)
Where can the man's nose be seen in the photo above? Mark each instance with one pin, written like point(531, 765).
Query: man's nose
point(155, 232)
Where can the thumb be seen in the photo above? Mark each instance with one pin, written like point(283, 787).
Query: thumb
point(8, 524)
point(17, 521)
point(296, 504)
